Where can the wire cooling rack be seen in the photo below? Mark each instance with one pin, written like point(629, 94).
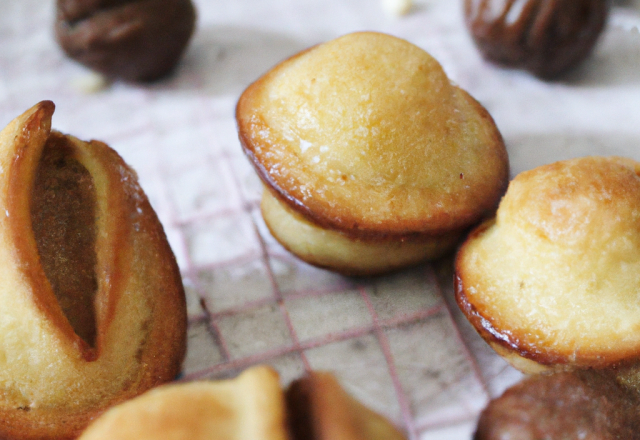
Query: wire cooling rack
point(398, 343)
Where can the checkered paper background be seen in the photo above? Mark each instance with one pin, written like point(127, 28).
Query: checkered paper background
point(398, 343)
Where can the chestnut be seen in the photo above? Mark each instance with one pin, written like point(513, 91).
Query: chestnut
point(132, 40)
point(562, 406)
point(545, 37)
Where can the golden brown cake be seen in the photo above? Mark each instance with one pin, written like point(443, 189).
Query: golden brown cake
point(93, 308)
point(249, 407)
point(371, 158)
point(552, 282)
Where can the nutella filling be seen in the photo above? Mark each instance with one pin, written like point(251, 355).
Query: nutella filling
point(63, 217)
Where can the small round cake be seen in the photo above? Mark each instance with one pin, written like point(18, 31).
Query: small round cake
point(553, 281)
point(93, 307)
point(372, 159)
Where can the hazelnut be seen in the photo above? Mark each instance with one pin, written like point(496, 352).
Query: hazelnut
point(545, 37)
point(132, 40)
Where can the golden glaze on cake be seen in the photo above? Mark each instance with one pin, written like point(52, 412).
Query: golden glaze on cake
point(92, 301)
point(366, 136)
point(554, 281)
point(249, 407)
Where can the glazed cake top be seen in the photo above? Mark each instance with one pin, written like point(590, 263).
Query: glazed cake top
point(557, 275)
point(367, 132)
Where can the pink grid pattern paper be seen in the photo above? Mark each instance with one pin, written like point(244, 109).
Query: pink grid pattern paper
point(398, 343)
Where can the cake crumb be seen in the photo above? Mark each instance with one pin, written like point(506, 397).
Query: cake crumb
point(397, 7)
point(90, 83)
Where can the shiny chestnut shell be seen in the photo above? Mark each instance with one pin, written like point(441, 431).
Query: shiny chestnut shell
point(131, 40)
point(545, 37)
point(585, 405)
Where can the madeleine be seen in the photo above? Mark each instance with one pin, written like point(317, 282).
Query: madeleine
point(372, 160)
point(93, 308)
point(553, 282)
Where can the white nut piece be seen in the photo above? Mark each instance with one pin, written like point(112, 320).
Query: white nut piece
point(397, 7)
